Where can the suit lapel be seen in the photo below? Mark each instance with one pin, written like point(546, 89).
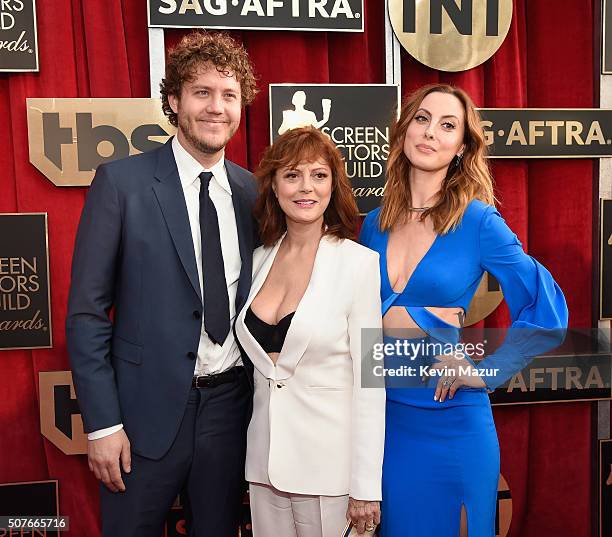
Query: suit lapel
point(310, 309)
point(169, 193)
point(244, 226)
point(258, 356)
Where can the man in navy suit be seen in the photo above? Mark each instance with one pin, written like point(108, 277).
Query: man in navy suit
point(166, 240)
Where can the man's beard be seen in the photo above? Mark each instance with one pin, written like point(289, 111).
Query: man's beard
point(202, 145)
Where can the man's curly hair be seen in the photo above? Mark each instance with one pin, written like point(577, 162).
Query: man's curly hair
point(197, 48)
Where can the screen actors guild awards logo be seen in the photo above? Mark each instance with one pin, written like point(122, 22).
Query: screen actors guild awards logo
point(25, 313)
point(18, 39)
point(355, 117)
point(301, 117)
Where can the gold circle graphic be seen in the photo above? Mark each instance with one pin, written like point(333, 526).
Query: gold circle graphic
point(504, 506)
point(486, 299)
point(470, 31)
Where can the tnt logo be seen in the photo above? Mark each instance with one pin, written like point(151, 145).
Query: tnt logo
point(451, 35)
point(60, 417)
point(70, 138)
point(461, 16)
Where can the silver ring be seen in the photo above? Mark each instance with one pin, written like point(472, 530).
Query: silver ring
point(370, 527)
point(447, 383)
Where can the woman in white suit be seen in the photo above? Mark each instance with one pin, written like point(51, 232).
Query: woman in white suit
point(315, 441)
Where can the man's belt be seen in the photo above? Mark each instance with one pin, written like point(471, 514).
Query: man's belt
point(210, 381)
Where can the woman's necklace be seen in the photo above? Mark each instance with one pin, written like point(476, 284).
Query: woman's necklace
point(418, 209)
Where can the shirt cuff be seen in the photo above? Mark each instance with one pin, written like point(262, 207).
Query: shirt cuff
point(101, 433)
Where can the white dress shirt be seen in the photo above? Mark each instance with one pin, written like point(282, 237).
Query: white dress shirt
point(212, 358)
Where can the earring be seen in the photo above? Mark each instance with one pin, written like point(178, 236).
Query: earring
point(459, 157)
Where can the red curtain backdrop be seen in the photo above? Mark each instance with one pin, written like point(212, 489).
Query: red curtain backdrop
point(90, 48)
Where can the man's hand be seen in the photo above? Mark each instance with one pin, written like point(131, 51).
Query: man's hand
point(103, 456)
point(363, 514)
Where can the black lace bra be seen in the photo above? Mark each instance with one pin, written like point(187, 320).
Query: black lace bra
point(269, 336)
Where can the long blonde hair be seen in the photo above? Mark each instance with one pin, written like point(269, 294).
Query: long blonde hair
point(467, 179)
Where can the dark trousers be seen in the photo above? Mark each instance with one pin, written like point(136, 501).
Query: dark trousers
point(205, 463)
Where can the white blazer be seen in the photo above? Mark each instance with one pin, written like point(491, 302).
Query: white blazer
point(314, 429)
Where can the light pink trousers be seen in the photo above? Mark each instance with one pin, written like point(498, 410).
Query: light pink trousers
point(281, 514)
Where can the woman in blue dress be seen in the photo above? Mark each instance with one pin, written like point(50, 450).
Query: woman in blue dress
point(437, 232)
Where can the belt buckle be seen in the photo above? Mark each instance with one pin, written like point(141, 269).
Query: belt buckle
point(197, 380)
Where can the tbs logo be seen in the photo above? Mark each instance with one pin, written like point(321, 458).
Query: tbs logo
point(70, 138)
point(60, 417)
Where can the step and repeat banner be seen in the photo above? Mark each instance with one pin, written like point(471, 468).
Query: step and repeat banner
point(69, 137)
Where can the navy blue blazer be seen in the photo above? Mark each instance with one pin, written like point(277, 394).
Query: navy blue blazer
point(134, 254)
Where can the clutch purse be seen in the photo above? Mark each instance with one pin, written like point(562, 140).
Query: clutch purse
point(351, 531)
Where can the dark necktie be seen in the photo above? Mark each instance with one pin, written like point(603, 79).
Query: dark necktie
point(216, 302)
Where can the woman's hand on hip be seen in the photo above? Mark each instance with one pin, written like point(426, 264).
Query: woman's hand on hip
point(363, 514)
point(456, 372)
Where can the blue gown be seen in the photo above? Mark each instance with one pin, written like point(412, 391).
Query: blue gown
point(442, 456)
